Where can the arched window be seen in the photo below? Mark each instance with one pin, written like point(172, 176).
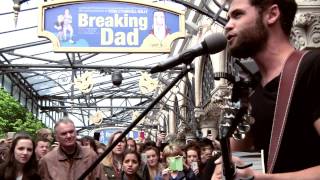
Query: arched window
point(207, 80)
point(190, 104)
point(177, 112)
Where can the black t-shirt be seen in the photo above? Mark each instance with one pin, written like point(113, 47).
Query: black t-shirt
point(207, 170)
point(300, 145)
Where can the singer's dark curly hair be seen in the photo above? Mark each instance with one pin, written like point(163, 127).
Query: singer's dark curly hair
point(288, 9)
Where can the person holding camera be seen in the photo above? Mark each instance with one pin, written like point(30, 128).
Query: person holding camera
point(192, 151)
point(173, 156)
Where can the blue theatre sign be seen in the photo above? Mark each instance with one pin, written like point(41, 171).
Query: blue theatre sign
point(110, 26)
point(106, 133)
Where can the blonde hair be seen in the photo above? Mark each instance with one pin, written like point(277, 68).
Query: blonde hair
point(108, 160)
point(45, 133)
point(171, 150)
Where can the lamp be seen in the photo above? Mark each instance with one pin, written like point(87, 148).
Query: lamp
point(116, 78)
point(16, 9)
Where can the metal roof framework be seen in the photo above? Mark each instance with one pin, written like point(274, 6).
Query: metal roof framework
point(43, 81)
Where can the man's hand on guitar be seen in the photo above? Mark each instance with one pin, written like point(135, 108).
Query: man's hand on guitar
point(240, 174)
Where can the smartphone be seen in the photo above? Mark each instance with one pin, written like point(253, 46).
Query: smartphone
point(194, 166)
point(10, 135)
point(144, 157)
point(162, 131)
point(176, 163)
point(162, 146)
point(142, 135)
point(96, 136)
point(208, 132)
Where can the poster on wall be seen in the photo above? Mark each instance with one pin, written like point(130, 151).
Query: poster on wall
point(105, 134)
point(110, 26)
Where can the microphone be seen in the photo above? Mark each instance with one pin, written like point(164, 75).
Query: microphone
point(211, 44)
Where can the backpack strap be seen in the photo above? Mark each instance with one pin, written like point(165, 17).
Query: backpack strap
point(285, 91)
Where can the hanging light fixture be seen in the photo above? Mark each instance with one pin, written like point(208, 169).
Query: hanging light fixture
point(116, 78)
point(16, 9)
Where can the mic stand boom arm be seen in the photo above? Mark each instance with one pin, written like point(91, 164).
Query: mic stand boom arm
point(135, 122)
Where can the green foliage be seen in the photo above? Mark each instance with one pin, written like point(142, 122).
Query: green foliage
point(14, 117)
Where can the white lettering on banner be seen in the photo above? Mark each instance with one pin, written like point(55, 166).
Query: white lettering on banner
point(133, 37)
point(119, 38)
point(84, 20)
point(99, 21)
point(106, 36)
point(109, 22)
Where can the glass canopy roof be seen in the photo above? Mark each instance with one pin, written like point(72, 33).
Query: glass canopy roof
point(47, 81)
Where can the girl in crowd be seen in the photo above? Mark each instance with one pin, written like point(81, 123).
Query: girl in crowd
point(101, 148)
point(130, 164)
point(90, 142)
point(21, 163)
point(152, 171)
point(131, 144)
point(172, 150)
point(112, 164)
point(192, 151)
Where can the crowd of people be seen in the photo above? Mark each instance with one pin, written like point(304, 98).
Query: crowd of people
point(66, 157)
point(269, 23)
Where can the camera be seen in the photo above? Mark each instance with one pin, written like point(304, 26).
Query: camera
point(208, 132)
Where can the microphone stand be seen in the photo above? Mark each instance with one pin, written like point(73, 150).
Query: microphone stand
point(136, 121)
point(230, 119)
point(226, 132)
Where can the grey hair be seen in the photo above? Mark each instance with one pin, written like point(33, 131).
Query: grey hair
point(64, 121)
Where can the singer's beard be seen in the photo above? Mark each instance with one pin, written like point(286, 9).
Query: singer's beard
point(250, 40)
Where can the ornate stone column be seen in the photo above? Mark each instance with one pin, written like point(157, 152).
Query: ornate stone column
point(207, 113)
point(306, 27)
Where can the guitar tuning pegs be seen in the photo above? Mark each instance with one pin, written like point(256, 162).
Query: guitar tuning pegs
point(249, 119)
point(243, 127)
point(238, 136)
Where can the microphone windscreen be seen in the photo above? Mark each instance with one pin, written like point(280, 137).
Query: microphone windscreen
point(215, 43)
